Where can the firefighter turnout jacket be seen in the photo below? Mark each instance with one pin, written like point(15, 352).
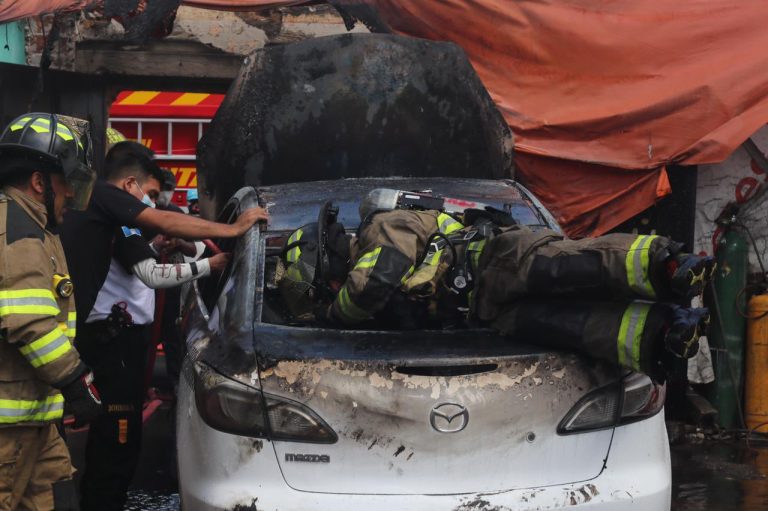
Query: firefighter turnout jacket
point(37, 316)
point(384, 257)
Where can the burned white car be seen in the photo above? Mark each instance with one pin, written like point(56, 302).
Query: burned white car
point(280, 416)
point(275, 414)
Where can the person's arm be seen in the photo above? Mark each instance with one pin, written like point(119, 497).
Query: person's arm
point(28, 314)
point(159, 276)
point(190, 227)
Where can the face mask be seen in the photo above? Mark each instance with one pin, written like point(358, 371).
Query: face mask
point(145, 198)
point(165, 198)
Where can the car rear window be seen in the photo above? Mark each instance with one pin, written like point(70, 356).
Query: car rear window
point(293, 206)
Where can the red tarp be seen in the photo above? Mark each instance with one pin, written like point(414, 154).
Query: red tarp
point(601, 95)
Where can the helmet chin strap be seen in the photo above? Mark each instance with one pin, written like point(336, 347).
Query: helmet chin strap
point(49, 196)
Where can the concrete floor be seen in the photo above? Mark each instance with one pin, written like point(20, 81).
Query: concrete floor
point(710, 476)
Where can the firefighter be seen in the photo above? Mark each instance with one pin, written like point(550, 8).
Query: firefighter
point(408, 265)
point(43, 166)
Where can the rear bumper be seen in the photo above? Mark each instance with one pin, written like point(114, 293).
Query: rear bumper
point(226, 472)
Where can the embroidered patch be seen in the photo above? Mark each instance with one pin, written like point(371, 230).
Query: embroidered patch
point(128, 232)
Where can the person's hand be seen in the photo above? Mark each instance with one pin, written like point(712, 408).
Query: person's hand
point(159, 243)
point(219, 262)
point(249, 217)
point(171, 245)
point(81, 399)
point(164, 245)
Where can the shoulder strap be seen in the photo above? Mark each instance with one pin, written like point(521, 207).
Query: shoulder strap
point(3, 213)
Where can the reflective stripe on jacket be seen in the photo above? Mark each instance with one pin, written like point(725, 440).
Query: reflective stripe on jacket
point(38, 325)
point(384, 256)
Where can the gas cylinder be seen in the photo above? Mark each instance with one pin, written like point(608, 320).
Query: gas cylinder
point(756, 382)
point(727, 332)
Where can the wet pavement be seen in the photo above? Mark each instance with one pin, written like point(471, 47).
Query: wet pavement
point(155, 487)
point(716, 475)
point(707, 476)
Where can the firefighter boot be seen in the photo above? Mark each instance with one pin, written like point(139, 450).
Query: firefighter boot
point(685, 327)
point(690, 273)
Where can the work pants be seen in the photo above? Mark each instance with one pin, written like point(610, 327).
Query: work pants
point(35, 470)
point(521, 262)
point(114, 439)
point(627, 332)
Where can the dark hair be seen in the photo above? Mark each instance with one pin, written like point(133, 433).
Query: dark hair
point(130, 158)
point(17, 171)
point(168, 183)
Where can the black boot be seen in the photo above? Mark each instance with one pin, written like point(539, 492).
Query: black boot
point(685, 327)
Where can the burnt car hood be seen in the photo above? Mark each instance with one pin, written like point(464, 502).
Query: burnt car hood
point(355, 105)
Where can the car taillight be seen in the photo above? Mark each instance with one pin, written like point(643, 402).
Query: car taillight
point(635, 398)
point(234, 407)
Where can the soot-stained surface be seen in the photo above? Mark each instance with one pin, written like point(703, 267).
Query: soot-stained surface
point(353, 105)
point(710, 476)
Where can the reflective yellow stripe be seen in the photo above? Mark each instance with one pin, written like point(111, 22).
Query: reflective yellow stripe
point(293, 273)
point(139, 97)
point(28, 301)
point(189, 99)
point(48, 348)
point(13, 411)
point(64, 132)
point(41, 125)
point(631, 333)
point(71, 325)
point(369, 259)
point(349, 309)
point(447, 224)
point(27, 293)
point(22, 122)
point(475, 248)
point(637, 263)
point(433, 258)
point(293, 254)
point(407, 274)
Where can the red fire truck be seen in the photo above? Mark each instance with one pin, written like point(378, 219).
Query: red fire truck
point(169, 123)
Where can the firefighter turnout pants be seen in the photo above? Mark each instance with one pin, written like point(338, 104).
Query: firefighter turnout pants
point(541, 263)
point(630, 332)
point(112, 452)
point(35, 470)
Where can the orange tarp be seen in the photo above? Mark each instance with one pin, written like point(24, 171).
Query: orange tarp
point(627, 84)
point(602, 95)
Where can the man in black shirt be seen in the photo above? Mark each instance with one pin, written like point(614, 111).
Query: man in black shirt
point(87, 236)
point(108, 258)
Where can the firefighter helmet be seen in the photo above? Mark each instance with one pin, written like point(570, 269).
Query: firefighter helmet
point(53, 143)
point(379, 199)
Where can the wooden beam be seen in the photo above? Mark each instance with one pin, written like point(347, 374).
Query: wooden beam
point(165, 58)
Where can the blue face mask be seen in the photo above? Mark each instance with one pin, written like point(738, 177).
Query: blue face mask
point(145, 198)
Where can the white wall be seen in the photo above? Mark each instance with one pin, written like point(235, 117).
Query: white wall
point(733, 180)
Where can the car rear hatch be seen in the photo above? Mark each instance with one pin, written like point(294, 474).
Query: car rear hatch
point(430, 412)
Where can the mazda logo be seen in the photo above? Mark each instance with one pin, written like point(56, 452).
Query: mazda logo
point(449, 418)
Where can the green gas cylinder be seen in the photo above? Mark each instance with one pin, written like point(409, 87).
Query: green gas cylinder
point(727, 330)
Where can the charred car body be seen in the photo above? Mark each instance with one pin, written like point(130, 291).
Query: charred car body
point(275, 415)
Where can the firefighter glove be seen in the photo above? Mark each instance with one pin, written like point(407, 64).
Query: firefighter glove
point(81, 399)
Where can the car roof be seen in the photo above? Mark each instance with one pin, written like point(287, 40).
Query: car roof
point(295, 204)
